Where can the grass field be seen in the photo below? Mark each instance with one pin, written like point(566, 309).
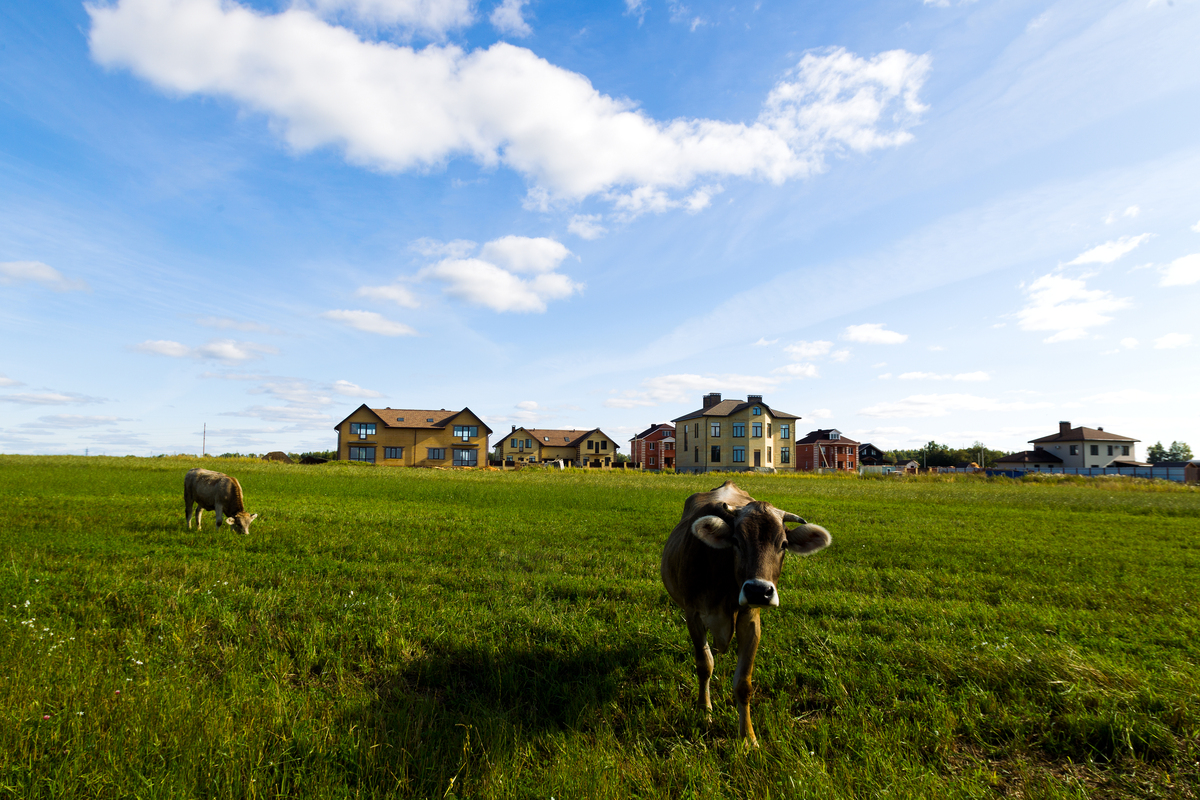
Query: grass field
point(416, 633)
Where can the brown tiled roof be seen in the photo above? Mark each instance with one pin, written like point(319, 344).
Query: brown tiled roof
point(1038, 456)
point(727, 407)
point(822, 435)
point(415, 417)
point(552, 437)
point(1080, 434)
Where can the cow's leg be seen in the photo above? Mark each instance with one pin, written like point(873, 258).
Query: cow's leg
point(220, 516)
point(187, 509)
point(704, 659)
point(749, 629)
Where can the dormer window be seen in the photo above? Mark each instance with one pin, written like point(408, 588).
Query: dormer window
point(834, 435)
point(757, 411)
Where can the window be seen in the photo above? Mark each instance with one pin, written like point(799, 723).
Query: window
point(464, 457)
point(436, 453)
point(685, 444)
point(768, 429)
point(366, 454)
point(715, 456)
point(834, 435)
point(589, 447)
point(509, 457)
point(529, 444)
point(393, 452)
point(466, 432)
point(654, 445)
point(714, 429)
point(1074, 449)
point(739, 455)
point(768, 455)
point(652, 461)
point(362, 430)
point(785, 431)
point(757, 411)
point(697, 434)
point(1095, 449)
point(604, 445)
point(1110, 449)
point(739, 430)
point(756, 430)
point(785, 455)
point(1124, 449)
point(696, 455)
point(513, 443)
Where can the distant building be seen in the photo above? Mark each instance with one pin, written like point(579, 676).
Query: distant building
point(588, 448)
point(1034, 460)
point(731, 436)
point(871, 456)
point(654, 448)
point(826, 448)
point(1088, 447)
point(408, 437)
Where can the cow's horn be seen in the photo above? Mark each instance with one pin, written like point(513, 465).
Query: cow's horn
point(790, 517)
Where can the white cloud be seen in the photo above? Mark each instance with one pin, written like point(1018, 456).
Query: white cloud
point(431, 17)
point(1109, 251)
point(820, 413)
point(804, 349)
point(690, 388)
point(1138, 397)
point(1132, 212)
point(1182, 271)
point(1066, 306)
point(507, 19)
point(1172, 340)
point(483, 282)
point(225, 323)
point(396, 293)
point(765, 342)
point(58, 421)
point(839, 355)
point(885, 376)
point(798, 370)
point(932, 376)
point(587, 226)
point(348, 389)
point(873, 333)
point(219, 349)
point(6, 381)
point(936, 348)
point(1129, 343)
point(49, 399)
point(36, 271)
point(435, 248)
point(940, 405)
point(527, 405)
point(370, 322)
point(1196, 227)
point(525, 254)
point(396, 108)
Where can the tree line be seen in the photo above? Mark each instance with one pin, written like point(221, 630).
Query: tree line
point(934, 454)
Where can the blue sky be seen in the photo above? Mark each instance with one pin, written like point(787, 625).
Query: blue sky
point(907, 220)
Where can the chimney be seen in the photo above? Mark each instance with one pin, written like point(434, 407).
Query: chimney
point(514, 428)
point(1100, 429)
point(1064, 428)
point(754, 398)
point(711, 399)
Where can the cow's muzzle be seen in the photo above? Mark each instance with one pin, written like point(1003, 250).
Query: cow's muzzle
point(758, 594)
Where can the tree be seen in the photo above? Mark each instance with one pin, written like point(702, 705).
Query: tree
point(1179, 452)
point(1156, 453)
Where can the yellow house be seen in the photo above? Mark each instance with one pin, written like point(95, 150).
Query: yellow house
point(730, 436)
point(593, 448)
point(407, 437)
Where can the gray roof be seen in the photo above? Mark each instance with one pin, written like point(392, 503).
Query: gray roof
point(1081, 434)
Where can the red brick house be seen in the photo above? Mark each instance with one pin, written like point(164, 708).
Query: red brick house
point(826, 449)
point(654, 448)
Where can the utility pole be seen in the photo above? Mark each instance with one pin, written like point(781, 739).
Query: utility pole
point(204, 442)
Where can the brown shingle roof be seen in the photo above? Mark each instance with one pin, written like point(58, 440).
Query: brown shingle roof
point(822, 435)
point(1080, 434)
point(727, 407)
point(553, 437)
point(415, 417)
point(1038, 456)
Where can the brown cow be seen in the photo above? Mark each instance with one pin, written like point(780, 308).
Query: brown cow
point(214, 491)
point(720, 565)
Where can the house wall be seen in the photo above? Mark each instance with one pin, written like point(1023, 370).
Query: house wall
point(663, 453)
point(415, 441)
point(767, 445)
point(1084, 458)
point(539, 450)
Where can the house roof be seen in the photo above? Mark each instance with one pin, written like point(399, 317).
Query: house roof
point(655, 427)
point(727, 407)
point(1038, 456)
point(553, 437)
point(1082, 434)
point(415, 417)
point(822, 435)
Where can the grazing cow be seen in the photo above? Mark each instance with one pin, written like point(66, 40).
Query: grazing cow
point(214, 491)
point(720, 565)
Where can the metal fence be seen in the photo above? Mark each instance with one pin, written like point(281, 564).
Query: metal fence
point(1153, 471)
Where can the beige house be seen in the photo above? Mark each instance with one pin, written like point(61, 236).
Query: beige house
point(592, 448)
point(408, 437)
point(1088, 447)
point(731, 435)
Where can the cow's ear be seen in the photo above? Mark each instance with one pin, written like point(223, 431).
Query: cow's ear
point(713, 531)
point(229, 520)
point(253, 517)
point(807, 538)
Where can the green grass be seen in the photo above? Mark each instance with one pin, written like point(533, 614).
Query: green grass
point(416, 633)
